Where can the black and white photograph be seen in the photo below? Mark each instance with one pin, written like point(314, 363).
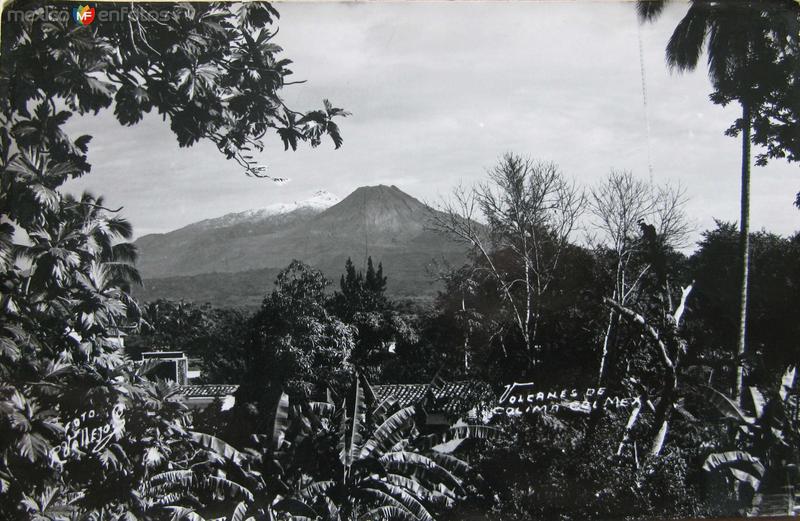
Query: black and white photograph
point(416, 260)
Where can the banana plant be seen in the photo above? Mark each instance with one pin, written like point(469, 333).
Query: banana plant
point(764, 435)
point(221, 482)
point(387, 468)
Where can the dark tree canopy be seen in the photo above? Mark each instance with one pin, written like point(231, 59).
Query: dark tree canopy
point(359, 292)
point(775, 287)
point(295, 339)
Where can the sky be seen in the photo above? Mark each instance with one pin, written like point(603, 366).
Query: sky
point(438, 92)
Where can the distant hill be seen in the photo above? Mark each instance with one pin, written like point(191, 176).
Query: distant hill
point(234, 259)
point(244, 289)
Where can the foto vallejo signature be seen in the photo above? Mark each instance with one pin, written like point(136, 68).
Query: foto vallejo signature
point(90, 432)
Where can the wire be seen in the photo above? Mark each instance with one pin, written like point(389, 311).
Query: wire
point(644, 100)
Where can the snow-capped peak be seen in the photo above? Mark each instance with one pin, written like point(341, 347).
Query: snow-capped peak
point(320, 200)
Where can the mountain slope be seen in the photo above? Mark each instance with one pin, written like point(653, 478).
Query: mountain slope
point(203, 246)
point(378, 221)
point(321, 200)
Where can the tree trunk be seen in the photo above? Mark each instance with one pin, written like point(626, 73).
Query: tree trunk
point(663, 413)
point(744, 252)
point(634, 416)
point(609, 342)
point(609, 347)
point(468, 334)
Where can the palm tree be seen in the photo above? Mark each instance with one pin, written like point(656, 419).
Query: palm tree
point(739, 38)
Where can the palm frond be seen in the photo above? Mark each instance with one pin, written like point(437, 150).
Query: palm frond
point(6, 245)
point(183, 514)
point(787, 382)
point(227, 488)
point(316, 489)
point(688, 39)
point(389, 513)
point(412, 463)
point(323, 409)
point(120, 228)
point(124, 252)
point(350, 444)
point(374, 490)
point(458, 432)
point(217, 446)
point(725, 405)
point(649, 10)
point(740, 465)
point(281, 422)
point(400, 497)
point(296, 508)
point(239, 512)
point(389, 432)
point(123, 273)
point(758, 401)
point(430, 495)
point(453, 464)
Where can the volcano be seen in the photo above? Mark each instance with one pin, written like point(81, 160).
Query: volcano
point(233, 259)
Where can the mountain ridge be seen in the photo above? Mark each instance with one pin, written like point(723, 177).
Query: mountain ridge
point(379, 221)
point(322, 199)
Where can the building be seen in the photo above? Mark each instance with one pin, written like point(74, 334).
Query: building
point(176, 366)
point(442, 401)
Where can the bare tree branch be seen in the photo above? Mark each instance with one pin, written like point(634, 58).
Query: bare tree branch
point(647, 328)
point(531, 210)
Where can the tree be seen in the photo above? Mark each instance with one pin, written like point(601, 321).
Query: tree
point(359, 292)
point(305, 344)
point(530, 209)
point(671, 348)
point(294, 345)
point(67, 391)
point(461, 285)
point(217, 337)
point(752, 59)
point(361, 459)
point(472, 319)
point(213, 71)
point(659, 321)
point(762, 455)
point(386, 467)
point(775, 278)
point(620, 206)
point(379, 325)
point(549, 467)
point(168, 326)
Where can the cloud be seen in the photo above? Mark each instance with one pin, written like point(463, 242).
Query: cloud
point(438, 92)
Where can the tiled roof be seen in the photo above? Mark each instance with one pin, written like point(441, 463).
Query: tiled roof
point(208, 391)
point(449, 397)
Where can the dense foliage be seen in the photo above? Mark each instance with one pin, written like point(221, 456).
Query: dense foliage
point(627, 466)
point(87, 434)
point(753, 60)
